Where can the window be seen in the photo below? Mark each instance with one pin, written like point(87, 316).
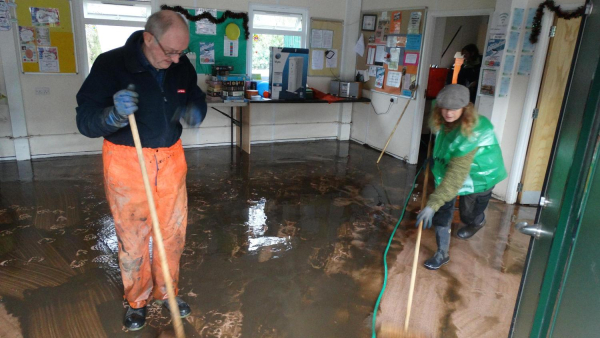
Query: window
point(108, 24)
point(273, 26)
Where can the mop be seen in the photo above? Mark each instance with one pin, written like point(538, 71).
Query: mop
point(157, 236)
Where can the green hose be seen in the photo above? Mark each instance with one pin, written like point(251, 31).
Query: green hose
point(387, 248)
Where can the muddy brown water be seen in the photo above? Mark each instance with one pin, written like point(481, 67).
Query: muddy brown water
point(286, 242)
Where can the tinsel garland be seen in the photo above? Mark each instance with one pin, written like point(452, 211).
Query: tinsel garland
point(209, 17)
point(537, 20)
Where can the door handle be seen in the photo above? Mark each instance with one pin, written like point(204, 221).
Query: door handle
point(534, 230)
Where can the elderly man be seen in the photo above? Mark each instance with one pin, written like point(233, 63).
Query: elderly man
point(151, 77)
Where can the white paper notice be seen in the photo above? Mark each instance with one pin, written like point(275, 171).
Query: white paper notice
point(204, 26)
point(316, 40)
point(359, 48)
point(327, 39)
point(331, 57)
point(230, 47)
point(371, 56)
point(48, 59)
point(42, 36)
point(414, 23)
point(380, 54)
point(411, 58)
point(393, 79)
point(317, 58)
point(372, 70)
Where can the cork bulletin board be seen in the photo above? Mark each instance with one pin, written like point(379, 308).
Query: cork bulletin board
point(328, 47)
point(393, 47)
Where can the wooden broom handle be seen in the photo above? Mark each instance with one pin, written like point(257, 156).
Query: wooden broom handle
point(413, 275)
point(397, 123)
point(178, 325)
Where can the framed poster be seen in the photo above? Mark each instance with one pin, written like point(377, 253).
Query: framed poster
point(368, 22)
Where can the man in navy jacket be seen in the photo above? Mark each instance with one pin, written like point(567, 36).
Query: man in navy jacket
point(151, 77)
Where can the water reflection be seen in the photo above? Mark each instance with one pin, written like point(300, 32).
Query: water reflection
point(257, 228)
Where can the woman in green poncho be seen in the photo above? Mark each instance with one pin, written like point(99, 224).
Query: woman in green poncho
point(467, 162)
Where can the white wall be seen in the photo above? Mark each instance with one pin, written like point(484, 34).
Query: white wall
point(51, 118)
point(7, 149)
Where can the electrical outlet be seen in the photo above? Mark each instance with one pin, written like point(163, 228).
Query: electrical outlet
point(394, 99)
point(42, 91)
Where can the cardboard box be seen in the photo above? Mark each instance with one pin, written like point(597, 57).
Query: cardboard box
point(287, 73)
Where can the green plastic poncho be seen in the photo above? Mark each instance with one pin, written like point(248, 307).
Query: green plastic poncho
point(487, 168)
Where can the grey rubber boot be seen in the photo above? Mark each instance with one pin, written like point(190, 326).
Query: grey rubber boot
point(441, 257)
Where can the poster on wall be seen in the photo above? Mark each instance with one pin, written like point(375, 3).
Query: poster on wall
point(414, 23)
point(528, 47)
point(525, 64)
point(504, 86)
point(513, 41)
point(48, 59)
point(530, 16)
point(488, 82)
point(393, 79)
point(26, 35)
point(396, 23)
point(383, 29)
point(207, 53)
point(499, 23)
point(509, 65)
point(517, 20)
point(205, 27)
point(379, 77)
point(494, 51)
point(28, 53)
point(42, 36)
point(44, 17)
point(230, 47)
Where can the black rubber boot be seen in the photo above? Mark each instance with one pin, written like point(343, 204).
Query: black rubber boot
point(135, 319)
point(469, 231)
point(184, 308)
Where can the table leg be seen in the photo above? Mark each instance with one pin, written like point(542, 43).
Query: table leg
point(231, 112)
point(245, 120)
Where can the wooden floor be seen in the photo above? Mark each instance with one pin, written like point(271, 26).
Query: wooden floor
point(285, 243)
point(475, 293)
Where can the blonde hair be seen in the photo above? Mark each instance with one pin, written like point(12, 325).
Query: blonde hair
point(467, 121)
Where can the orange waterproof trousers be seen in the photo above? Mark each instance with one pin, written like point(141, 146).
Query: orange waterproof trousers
point(129, 206)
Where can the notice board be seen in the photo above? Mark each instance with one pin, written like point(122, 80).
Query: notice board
point(46, 36)
point(393, 49)
point(325, 37)
point(202, 42)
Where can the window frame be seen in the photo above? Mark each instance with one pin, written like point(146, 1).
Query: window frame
point(254, 8)
point(83, 21)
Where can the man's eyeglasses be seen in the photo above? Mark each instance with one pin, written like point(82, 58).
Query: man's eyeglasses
point(171, 54)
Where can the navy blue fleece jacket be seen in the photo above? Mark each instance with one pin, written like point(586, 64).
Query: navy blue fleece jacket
point(160, 106)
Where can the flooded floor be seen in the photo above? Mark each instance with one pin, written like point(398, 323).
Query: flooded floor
point(287, 242)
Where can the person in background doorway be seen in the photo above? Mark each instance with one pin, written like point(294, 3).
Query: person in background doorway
point(469, 72)
point(467, 161)
point(151, 77)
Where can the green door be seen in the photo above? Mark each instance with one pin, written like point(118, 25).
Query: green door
point(560, 290)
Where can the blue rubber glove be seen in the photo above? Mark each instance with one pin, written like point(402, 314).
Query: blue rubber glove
point(125, 104)
point(192, 115)
point(426, 215)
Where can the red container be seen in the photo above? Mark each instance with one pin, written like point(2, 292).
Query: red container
point(437, 81)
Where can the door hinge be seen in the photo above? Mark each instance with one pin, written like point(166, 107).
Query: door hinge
point(520, 187)
point(552, 31)
point(535, 114)
point(588, 8)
